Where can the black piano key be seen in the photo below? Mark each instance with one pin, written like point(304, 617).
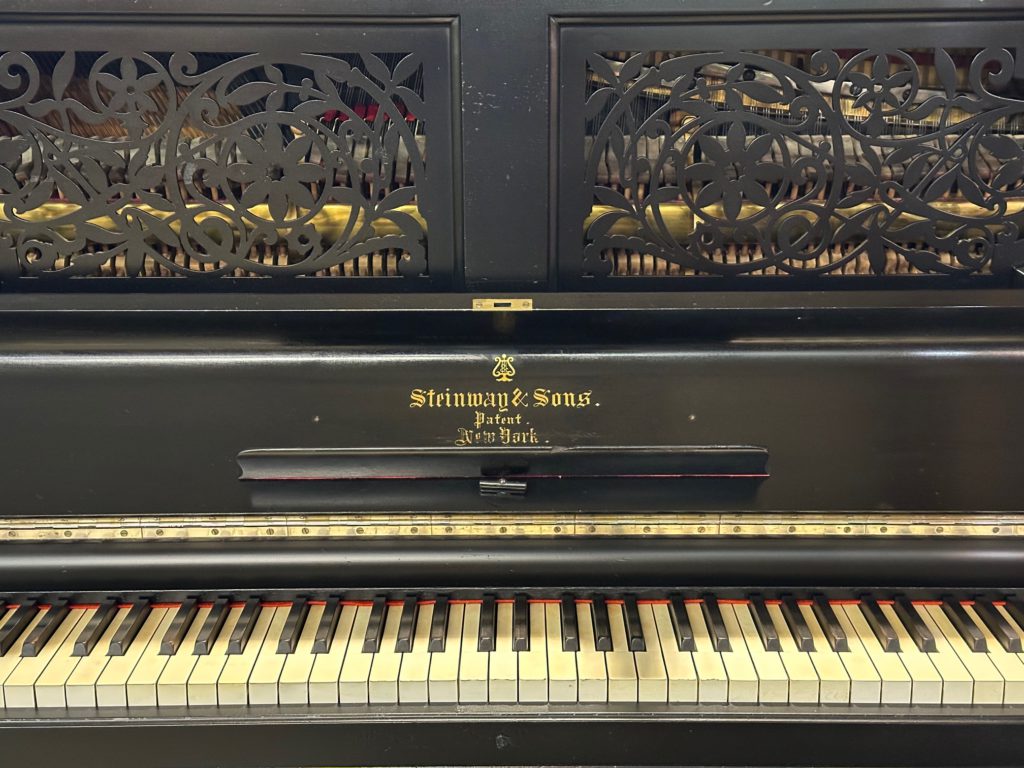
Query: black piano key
point(797, 625)
point(486, 642)
point(879, 624)
point(997, 624)
point(243, 628)
point(328, 625)
point(293, 624)
point(914, 624)
point(521, 624)
point(570, 626)
point(375, 627)
point(94, 629)
point(634, 631)
point(765, 625)
point(211, 627)
point(44, 629)
point(180, 624)
point(681, 624)
point(12, 630)
point(602, 628)
point(969, 631)
point(830, 625)
point(438, 626)
point(407, 624)
point(129, 628)
point(716, 624)
point(1015, 608)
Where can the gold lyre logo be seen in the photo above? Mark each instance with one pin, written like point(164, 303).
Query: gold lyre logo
point(503, 368)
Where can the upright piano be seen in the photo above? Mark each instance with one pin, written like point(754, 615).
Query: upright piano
point(555, 382)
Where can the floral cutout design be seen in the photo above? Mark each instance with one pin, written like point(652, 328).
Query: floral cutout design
point(713, 148)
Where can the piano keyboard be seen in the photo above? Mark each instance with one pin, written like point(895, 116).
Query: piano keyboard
point(55, 653)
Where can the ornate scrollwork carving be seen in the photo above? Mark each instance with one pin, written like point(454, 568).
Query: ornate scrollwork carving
point(850, 149)
point(203, 164)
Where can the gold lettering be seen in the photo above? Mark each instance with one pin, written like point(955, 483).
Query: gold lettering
point(482, 418)
point(509, 437)
point(543, 397)
point(502, 402)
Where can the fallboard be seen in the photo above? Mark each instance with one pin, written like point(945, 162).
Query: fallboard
point(158, 422)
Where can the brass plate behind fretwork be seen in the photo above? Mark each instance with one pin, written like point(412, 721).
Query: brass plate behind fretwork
point(157, 528)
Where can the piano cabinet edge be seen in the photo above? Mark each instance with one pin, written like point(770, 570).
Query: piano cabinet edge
point(729, 736)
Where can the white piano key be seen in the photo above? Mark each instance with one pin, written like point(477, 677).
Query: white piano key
point(926, 682)
point(988, 683)
point(80, 688)
point(233, 683)
point(622, 680)
point(834, 681)
point(896, 684)
point(49, 688)
point(11, 659)
point(383, 685)
point(141, 685)
point(590, 664)
point(474, 665)
point(261, 686)
point(415, 671)
point(679, 669)
point(533, 663)
point(1013, 625)
point(804, 686)
point(957, 683)
point(326, 672)
point(172, 686)
point(652, 679)
point(865, 682)
point(112, 686)
point(503, 662)
point(1009, 665)
point(202, 683)
point(19, 687)
point(712, 679)
point(443, 678)
point(293, 685)
point(772, 680)
point(743, 681)
point(562, 679)
point(354, 682)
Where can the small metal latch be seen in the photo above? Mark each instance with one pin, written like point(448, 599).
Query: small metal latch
point(502, 305)
point(502, 486)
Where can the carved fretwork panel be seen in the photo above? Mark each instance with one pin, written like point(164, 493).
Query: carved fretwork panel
point(867, 162)
point(150, 165)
